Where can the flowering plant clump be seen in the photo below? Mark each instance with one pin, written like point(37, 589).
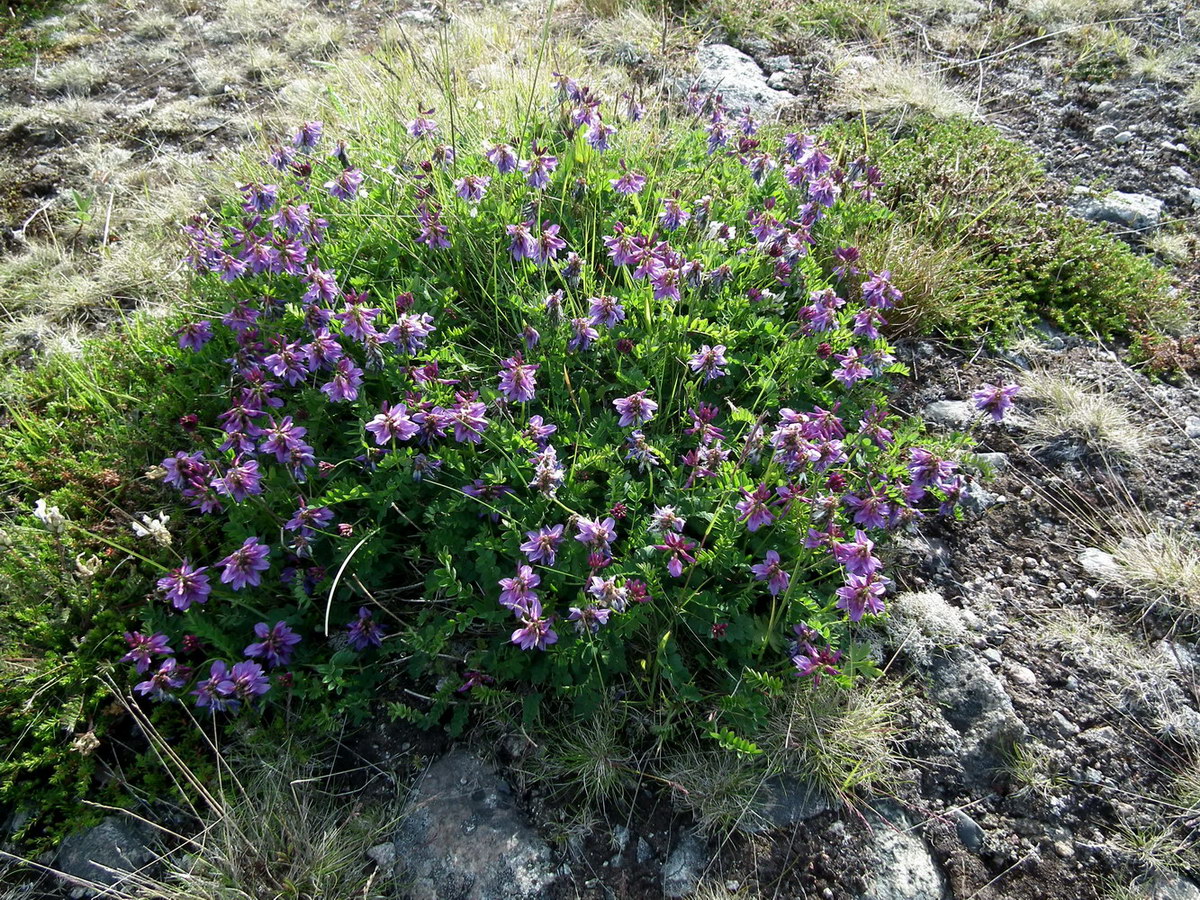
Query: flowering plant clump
point(558, 414)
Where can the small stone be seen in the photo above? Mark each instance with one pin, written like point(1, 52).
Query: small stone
point(992, 655)
point(738, 78)
point(1180, 174)
point(683, 868)
point(1168, 886)
point(1063, 850)
point(950, 413)
point(1193, 195)
point(969, 832)
point(104, 855)
point(384, 856)
point(1191, 427)
point(1091, 595)
point(779, 63)
point(1123, 138)
point(1105, 106)
point(1137, 212)
point(998, 461)
point(1022, 675)
point(1065, 726)
point(645, 852)
point(1105, 133)
point(1099, 564)
point(976, 498)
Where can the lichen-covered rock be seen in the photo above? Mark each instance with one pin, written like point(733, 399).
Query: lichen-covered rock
point(737, 78)
point(103, 855)
point(463, 837)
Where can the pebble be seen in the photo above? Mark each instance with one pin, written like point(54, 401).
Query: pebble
point(1105, 132)
point(1065, 726)
point(991, 654)
point(969, 832)
point(1123, 138)
point(1180, 174)
point(1022, 674)
point(1191, 427)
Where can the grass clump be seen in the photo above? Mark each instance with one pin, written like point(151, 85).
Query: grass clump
point(976, 204)
point(1065, 408)
point(1161, 565)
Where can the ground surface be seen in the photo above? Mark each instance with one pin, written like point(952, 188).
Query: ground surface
point(1099, 685)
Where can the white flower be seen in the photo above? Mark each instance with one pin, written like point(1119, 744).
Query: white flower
point(155, 529)
point(55, 522)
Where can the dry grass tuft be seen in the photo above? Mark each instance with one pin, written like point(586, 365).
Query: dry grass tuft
point(1160, 564)
point(895, 84)
point(74, 77)
point(1072, 12)
point(1066, 408)
point(720, 788)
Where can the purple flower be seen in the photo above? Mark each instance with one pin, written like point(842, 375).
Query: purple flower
point(245, 565)
point(194, 335)
point(542, 545)
point(410, 332)
point(472, 187)
point(589, 618)
point(468, 417)
point(851, 370)
point(877, 290)
point(679, 548)
point(346, 380)
point(871, 511)
point(538, 169)
point(673, 215)
point(517, 379)
point(307, 135)
point(862, 594)
point(635, 409)
point(185, 585)
point(345, 186)
point(608, 593)
point(584, 334)
point(606, 311)
point(142, 647)
point(216, 692)
point(769, 570)
point(535, 631)
point(629, 183)
point(539, 431)
point(709, 361)
point(275, 643)
point(392, 424)
point(522, 244)
point(248, 680)
point(518, 592)
point(531, 335)
point(596, 534)
point(995, 399)
point(665, 519)
point(364, 631)
point(598, 134)
point(242, 480)
point(422, 126)
point(169, 676)
point(548, 245)
point(752, 508)
point(856, 555)
point(433, 233)
point(503, 157)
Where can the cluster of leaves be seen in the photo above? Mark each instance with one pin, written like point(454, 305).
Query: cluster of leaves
point(538, 418)
point(985, 200)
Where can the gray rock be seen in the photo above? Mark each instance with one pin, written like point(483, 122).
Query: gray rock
point(975, 704)
point(784, 801)
point(1022, 675)
point(1138, 212)
point(1180, 174)
point(1193, 195)
point(731, 73)
point(1168, 886)
point(998, 461)
point(464, 839)
point(1099, 564)
point(900, 866)
point(949, 413)
point(1191, 427)
point(777, 81)
point(684, 866)
point(1123, 138)
point(384, 856)
point(103, 855)
point(969, 832)
point(977, 498)
point(992, 655)
point(775, 64)
point(645, 852)
point(1105, 133)
point(1065, 726)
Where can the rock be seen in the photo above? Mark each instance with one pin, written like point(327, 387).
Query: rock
point(777, 81)
point(998, 461)
point(1123, 137)
point(1098, 564)
point(1105, 133)
point(645, 852)
point(992, 655)
point(464, 838)
point(1191, 427)
point(1180, 174)
point(384, 856)
point(1022, 675)
point(1193, 195)
point(775, 64)
point(969, 832)
point(731, 73)
point(1138, 212)
point(1065, 726)
point(976, 498)
point(1168, 886)
point(684, 866)
point(975, 704)
point(784, 801)
point(103, 855)
point(949, 413)
point(899, 864)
